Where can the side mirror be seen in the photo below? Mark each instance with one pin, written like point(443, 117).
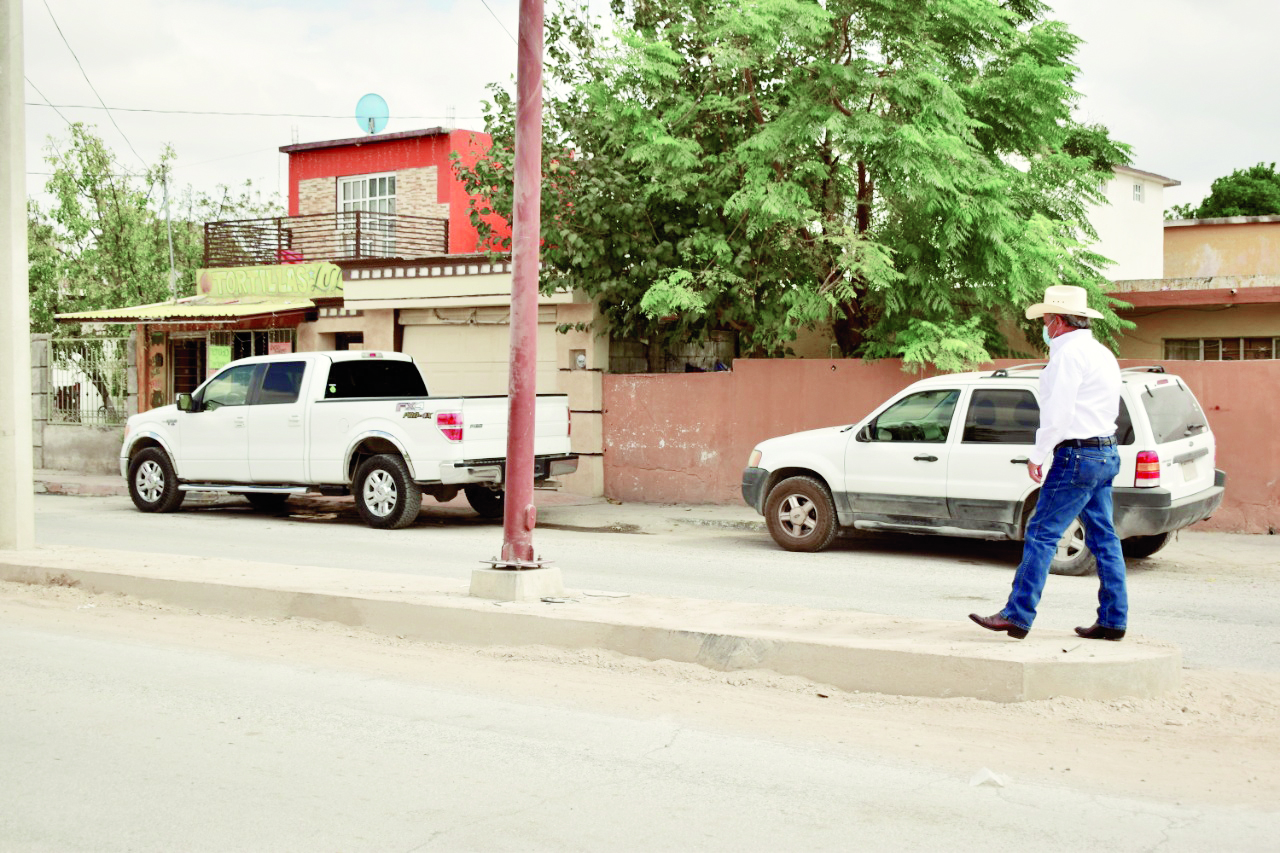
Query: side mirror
point(864, 434)
point(184, 403)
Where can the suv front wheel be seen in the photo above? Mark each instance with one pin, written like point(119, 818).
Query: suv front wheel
point(801, 515)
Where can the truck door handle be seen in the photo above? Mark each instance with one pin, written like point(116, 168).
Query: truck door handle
point(1021, 460)
point(926, 458)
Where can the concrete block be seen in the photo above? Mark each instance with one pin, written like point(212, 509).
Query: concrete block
point(588, 479)
point(851, 651)
point(588, 432)
point(517, 584)
point(585, 389)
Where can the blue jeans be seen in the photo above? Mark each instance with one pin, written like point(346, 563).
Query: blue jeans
point(1077, 485)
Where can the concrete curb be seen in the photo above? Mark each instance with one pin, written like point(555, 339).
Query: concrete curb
point(851, 651)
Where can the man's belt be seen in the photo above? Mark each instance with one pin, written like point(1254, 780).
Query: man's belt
point(1101, 441)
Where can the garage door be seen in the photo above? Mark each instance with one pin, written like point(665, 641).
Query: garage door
point(473, 359)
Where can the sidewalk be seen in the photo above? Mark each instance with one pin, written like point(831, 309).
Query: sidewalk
point(848, 650)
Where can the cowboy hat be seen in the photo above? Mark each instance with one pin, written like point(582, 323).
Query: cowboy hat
point(1063, 299)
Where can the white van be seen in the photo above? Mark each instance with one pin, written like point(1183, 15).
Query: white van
point(947, 455)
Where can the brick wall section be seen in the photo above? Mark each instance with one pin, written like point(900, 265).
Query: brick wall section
point(417, 194)
point(685, 438)
point(317, 195)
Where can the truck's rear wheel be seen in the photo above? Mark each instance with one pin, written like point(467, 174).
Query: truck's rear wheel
point(386, 496)
point(153, 485)
point(489, 503)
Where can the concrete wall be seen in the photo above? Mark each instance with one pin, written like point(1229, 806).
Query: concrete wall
point(1240, 245)
point(1130, 231)
point(1155, 326)
point(82, 449)
point(685, 438)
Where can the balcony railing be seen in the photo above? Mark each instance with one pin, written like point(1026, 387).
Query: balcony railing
point(353, 236)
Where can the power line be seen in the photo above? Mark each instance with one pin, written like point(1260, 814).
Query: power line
point(90, 82)
point(214, 112)
point(47, 102)
point(499, 20)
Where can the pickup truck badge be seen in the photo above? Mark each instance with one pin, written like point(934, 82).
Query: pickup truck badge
point(173, 422)
point(417, 407)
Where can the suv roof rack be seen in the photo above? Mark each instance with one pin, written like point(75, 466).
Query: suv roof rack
point(1146, 368)
point(1003, 372)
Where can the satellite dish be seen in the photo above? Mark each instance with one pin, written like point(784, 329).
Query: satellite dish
point(372, 113)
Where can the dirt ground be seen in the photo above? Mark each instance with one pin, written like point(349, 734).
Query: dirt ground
point(1217, 741)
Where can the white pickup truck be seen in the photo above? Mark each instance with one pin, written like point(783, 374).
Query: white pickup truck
point(333, 423)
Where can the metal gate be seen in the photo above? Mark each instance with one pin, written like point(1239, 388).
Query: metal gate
point(89, 380)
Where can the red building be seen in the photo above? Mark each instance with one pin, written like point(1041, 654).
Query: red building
point(409, 174)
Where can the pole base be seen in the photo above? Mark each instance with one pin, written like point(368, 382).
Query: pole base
point(517, 584)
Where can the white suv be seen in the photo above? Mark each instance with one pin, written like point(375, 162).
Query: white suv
point(947, 455)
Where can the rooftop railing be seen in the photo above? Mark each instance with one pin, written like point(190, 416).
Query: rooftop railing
point(351, 236)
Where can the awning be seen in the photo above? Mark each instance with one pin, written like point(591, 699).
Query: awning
point(196, 309)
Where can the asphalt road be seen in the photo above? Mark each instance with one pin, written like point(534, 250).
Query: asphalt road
point(1213, 594)
point(131, 727)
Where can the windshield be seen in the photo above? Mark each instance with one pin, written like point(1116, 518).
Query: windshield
point(1173, 412)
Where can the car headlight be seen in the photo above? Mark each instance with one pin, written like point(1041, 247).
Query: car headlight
point(754, 460)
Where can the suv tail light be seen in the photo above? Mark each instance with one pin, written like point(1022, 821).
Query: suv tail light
point(450, 423)
point(569, 414)
point(1148, 473)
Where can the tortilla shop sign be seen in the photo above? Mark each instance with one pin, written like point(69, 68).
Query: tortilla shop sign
point(301, 280)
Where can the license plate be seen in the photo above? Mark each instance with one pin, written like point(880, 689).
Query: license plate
point(1189, 470)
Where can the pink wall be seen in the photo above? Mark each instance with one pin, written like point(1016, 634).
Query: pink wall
point(685, 438)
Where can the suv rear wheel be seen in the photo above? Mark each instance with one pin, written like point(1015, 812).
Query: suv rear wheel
point(1138, 547)
point(1073, 557)
point(801, 515)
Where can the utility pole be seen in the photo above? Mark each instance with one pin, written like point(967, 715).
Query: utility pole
point(517, 573)
point(168, 227)
point(17, 505)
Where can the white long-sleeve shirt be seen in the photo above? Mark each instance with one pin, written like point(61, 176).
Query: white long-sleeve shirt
point(1079, 392)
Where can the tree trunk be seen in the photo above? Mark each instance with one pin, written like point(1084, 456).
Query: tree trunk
point(850, 329)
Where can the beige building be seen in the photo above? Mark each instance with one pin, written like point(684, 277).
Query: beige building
point(1219, 298)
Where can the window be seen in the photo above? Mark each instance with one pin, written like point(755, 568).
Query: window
point(374, 378)
point(1001, 416)
point(1173, 412)
point(374, 193)
point(362, 203)
point(922, 417)
point(1222, 349)
point(282, 383)
point(228, 388)
point(1137, 193)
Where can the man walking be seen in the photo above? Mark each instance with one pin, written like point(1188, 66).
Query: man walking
point(1079, 402)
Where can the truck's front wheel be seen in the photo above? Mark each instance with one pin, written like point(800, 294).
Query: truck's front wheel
point(153, 485)
point(386, 495)
point(488, 502)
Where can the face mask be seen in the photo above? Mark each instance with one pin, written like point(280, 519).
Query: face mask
point(1044, 332)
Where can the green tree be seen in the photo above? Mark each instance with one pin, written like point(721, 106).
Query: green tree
point(908, 172)
point(1245, 192)
point(102, 241)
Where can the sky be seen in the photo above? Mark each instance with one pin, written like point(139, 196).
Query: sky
point(1191, 85)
